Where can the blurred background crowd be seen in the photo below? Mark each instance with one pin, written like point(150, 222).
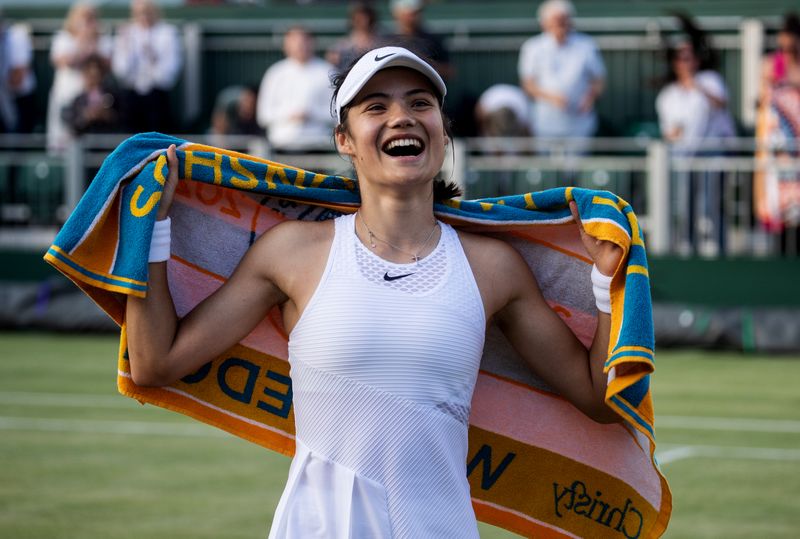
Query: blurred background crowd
point(117, 77)
point(693, 118)
point(139, 71)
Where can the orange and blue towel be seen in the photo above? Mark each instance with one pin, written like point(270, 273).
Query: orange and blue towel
point(536, 465)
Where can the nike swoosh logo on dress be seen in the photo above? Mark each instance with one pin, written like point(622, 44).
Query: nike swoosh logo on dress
point(387, 277)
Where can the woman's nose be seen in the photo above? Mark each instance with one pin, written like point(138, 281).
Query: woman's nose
point(401, 116)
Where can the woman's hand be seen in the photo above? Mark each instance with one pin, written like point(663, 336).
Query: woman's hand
point(169, 187)
point(605, 254)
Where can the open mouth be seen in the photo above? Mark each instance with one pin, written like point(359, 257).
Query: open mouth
point(404, 147)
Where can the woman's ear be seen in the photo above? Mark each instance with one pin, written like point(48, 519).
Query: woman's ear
point(446, 140)
point(343, 145)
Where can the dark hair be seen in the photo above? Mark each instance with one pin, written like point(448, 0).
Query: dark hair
point(699, 43)
point(442, 190)
point(791, 24)
point(366, 9)
point(503, 122)
point(94, 60)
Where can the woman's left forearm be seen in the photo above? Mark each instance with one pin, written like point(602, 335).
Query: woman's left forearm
point(598, 355)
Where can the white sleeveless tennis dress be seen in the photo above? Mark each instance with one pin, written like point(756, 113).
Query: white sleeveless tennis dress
point(383, 363)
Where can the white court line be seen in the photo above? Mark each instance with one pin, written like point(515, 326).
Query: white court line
point(727, 423)
point(665, 455)
point(64, 400)
point(670, 454)
point(106, 426)
point(88, 400)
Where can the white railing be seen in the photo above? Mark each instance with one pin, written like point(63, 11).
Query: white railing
point(700, 205)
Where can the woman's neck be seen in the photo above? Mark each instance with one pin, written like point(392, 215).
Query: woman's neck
point(395, 226)
point(685, 79)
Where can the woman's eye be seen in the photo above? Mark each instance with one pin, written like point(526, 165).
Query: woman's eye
point(421, 103)
point(375, 107)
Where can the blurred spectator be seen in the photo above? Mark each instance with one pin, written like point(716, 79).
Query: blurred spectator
point(96, 108)
point(8, 107)
point(235, 112)
point(563, 72)
point(411, 33)
point(17, 80)
point(693, 105)
point(147, 61)
point(363, 36)
point(79, 39)
point(502, 111)
point(782, 67)
point(295, 95)
point(692, 108)
point(777, 188)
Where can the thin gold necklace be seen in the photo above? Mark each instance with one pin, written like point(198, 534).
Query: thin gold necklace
point(414, 256)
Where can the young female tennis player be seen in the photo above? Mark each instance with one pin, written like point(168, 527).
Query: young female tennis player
point(386, 311)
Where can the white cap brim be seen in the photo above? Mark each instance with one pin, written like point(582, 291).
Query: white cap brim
point(376, 60)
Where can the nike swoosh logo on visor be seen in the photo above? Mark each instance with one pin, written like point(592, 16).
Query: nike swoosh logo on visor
point(387, 277)
point(379, 58)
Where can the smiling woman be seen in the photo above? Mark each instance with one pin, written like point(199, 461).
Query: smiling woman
point(386, 311)
point(424, 91)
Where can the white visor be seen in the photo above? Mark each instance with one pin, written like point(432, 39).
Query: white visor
point(378, 59)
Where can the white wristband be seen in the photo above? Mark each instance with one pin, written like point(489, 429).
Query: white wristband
point(601, 286)
point(160, 242)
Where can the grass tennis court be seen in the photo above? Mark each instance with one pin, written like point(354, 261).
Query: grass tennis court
point(80, 461)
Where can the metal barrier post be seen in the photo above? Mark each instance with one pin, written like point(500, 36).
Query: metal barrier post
point(751, 35)
point(459, 172)
point(192, 71)
point(75, 169)
point(658, 198)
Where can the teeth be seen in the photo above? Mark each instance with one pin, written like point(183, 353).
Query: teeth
point(403, 142)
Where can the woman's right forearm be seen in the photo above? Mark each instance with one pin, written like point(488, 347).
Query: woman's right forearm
point(151, 324)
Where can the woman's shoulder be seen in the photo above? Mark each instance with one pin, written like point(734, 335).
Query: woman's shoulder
point(485, 252)
point(294, 235)
point(499, 270)
point(292, 247)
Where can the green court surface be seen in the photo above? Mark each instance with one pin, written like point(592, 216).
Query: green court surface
point(80, 461)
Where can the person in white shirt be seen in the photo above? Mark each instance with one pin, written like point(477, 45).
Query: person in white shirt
point(692, 111)
point(563, 72)
point(693, 106)
point(294, 97)
point(79, 39)
point(147, 61)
